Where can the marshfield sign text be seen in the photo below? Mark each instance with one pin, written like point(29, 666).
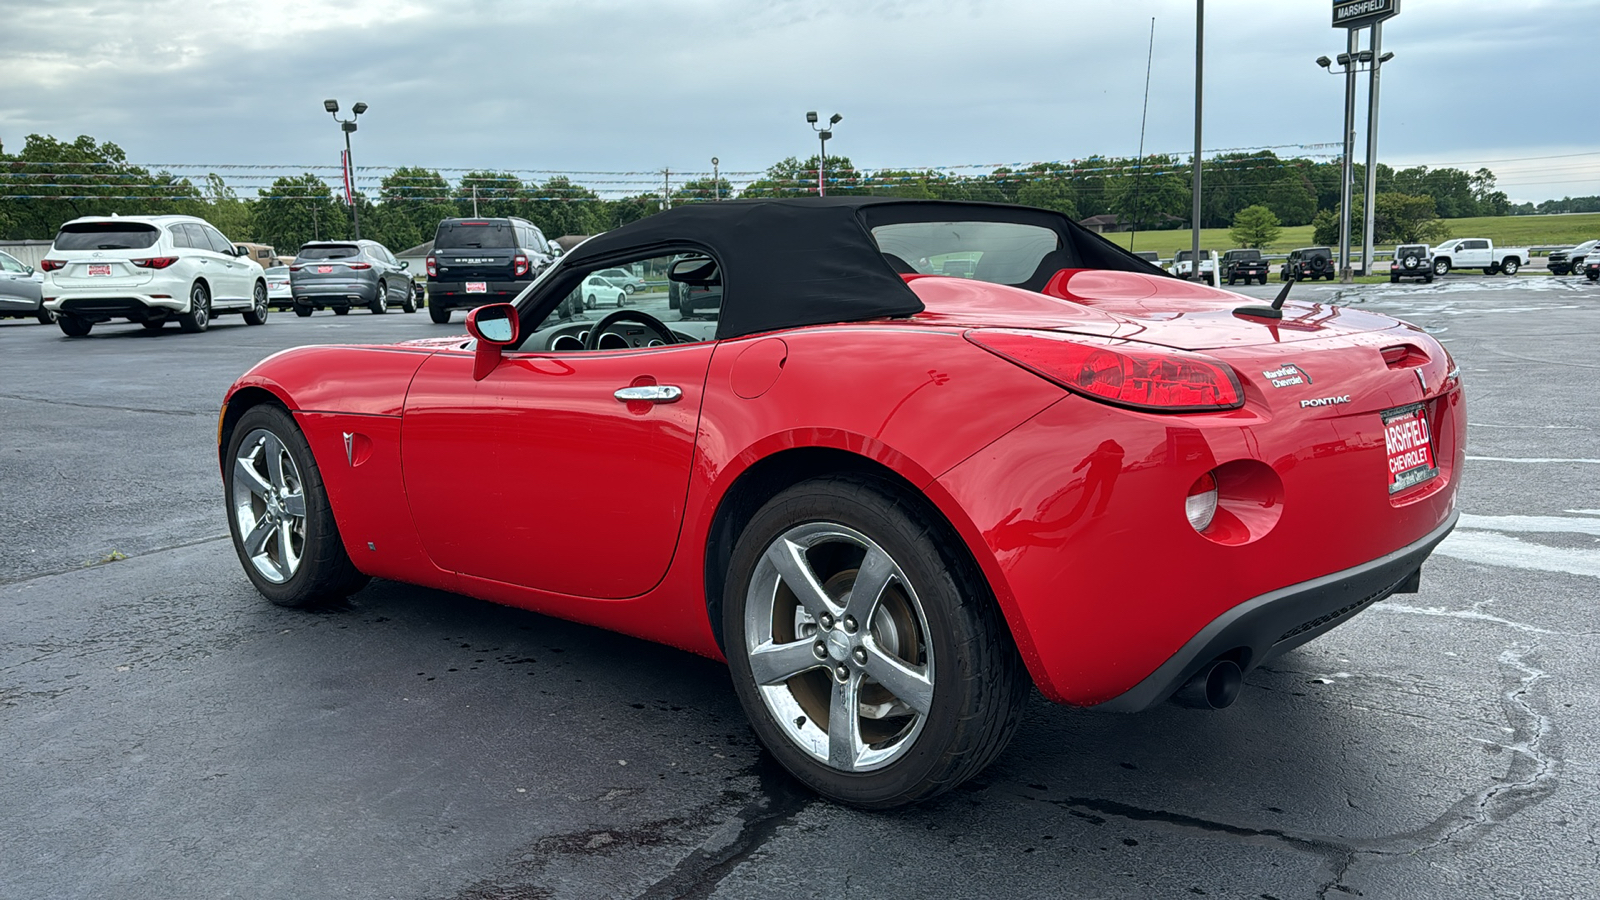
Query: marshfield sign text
point(1361, 13)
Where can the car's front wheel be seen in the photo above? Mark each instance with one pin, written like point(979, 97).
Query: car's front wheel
point(278, 514)
point(871, 661)
point(198, 318)
point(409, 304)
point(380, 301)
point(1441, 267)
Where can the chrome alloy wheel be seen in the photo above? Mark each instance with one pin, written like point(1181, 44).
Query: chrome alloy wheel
point(839, 646)
point(269, 506)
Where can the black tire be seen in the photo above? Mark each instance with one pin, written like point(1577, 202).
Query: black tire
point(1263, 278)
point(409, 304)
point(341, 310)
point(302, 310)
point(72, 326)
point(1427, 279)
point(45, 316)
point(154, 324)
point(1441, 267)
point(978, 683)
point(1230, 281)
point(380, 300)
point(1510, 266)
point(1394, 279)
point(198, 318)
point(439, 315)
point(1592, 275)
point(259, 310)
point(591, 301)
point(324, 573)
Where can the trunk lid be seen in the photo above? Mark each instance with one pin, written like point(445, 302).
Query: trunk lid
point(1149, 309)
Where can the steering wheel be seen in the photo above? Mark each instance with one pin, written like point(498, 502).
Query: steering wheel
point(592, 342)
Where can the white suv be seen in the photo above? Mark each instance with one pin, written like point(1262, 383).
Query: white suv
point(148, 269)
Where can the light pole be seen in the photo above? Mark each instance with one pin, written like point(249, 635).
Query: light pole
point(823, 133)
point(1376, 58)
point(348, 126)
point(1347, 62)
point(716, 185)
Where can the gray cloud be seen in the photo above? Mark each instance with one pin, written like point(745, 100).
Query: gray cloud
point(637, 86)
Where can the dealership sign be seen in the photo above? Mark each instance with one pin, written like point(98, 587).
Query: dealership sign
point(1361, 13)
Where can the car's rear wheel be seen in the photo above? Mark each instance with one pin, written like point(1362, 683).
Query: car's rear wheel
point(870, 660)
point(439, 315)
point(303, 311)
point(72, 326)
point(198, 318)
point(341, 310)
point(278, 514)
point(1510, 267)
point(380, 301)
point(154, 324)
point(258, 312)
point(45, 316)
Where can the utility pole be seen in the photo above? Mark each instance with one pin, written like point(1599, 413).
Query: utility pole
point(1199, 93)
point(666, 189)
point(716, 183)
point(474, 201)
point(1371, 207)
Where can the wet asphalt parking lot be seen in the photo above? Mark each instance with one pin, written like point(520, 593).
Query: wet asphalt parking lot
point(167, 733)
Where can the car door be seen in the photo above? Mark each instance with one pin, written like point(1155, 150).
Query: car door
point(16, 283)
point(1474, 254)
point(238, 268)
point(540, 476)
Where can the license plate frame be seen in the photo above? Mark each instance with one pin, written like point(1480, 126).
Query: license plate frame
point(477, 287)
point(1408, 445)
point(99, 270)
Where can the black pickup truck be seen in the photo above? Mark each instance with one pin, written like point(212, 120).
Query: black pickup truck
point(1243, 264)
point(479, 261)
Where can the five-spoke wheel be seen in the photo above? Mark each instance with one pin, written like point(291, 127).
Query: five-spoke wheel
point(870, 658)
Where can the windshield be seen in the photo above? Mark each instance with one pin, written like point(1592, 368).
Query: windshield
point(997, 252)
point(474, 235)
point(330, 251)
point(106, 236)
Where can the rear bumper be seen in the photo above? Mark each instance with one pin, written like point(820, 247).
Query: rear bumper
point(1274, 623)
point(453, 294)
point(335, 293)
point(131, 306)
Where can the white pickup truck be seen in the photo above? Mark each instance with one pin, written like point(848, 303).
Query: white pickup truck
point(1478, 253)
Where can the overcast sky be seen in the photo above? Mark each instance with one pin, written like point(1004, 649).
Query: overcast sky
point(614, 85)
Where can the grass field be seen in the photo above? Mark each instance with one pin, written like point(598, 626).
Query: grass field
point(1511, 231)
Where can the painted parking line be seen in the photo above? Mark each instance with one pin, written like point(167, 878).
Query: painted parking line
point(1488, 540)
point(1533, 459)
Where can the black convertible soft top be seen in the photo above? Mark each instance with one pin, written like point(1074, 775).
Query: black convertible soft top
point(788, 263)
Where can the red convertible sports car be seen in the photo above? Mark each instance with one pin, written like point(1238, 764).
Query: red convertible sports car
point(909, 460)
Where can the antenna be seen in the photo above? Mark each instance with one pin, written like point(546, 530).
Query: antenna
point(1143, 117)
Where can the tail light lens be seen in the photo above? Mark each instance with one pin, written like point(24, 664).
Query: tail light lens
point(296, 268)
point(154, 262)
point(519, 265)
point(1143, 377)
point(360, 265)
point(433, 267)
point(50, 265)
point(1201, 504)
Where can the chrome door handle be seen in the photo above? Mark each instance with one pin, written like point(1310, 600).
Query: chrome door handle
point(650, 393)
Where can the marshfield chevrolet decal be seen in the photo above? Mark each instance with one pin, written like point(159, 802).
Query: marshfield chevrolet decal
point(1287, 375)
point(1325, 401)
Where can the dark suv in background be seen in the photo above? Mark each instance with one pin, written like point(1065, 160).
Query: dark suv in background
point(1245, 264)
point(1308, 264)
point(478, 261)
point(1411, 261)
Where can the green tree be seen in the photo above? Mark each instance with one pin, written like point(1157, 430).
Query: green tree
point(52, 181)
point(703, 190)
point(297, 209)
point(560, 207)
point(1406, 219)
point(489, 194)
point(1325, 228)
point(223, 208)
point(1155, 195)
point(1045, 185)
point(1255, 226)
point(421, 197)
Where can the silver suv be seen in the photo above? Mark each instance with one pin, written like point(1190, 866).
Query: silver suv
point(339, 275)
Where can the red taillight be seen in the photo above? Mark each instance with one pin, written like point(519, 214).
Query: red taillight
point(359, 265)
point(519, 265)
point(1201, 504)
point(50, 265)
point(154, 262)
point(1140, 376)
point(296, 268)
point(433, 267)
